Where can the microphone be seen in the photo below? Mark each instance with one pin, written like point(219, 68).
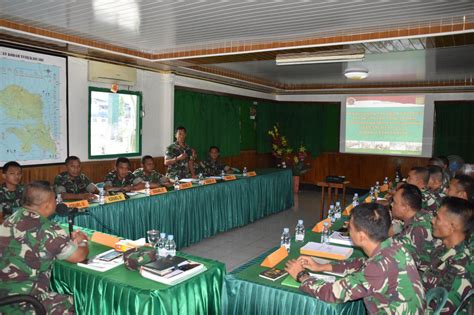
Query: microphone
point(63, 210)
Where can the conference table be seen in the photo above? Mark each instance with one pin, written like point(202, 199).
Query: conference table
point(195, 213)
point(245, 292)
point(122, 291)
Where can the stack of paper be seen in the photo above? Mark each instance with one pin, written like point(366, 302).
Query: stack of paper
point(326, 251)
point(340, 238)
point(101, 262)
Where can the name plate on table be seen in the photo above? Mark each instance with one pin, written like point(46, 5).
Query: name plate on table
point(209, 181)
point(251, 174)
point(158, 191)
point(185, 185)
point(229, 177)
point(114, 198)
point(81, 204)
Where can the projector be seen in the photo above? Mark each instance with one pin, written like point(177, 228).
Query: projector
point(335, 179)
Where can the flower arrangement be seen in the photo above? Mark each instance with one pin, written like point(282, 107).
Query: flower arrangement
point(285, 155)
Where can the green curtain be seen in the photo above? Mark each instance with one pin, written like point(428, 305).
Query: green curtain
point(316, 125)
point(209, 120)
point(248, 127)
point(454, 130)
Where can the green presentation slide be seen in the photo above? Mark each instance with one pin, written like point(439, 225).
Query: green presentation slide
point(383, 129)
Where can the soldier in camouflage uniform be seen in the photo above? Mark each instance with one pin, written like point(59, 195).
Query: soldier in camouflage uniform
point(73, 184)
point(452, 263)
point(147, 173)
point(212, 166)
point(179, 157)
point(440, 162)
point(120, 179)
point(416, 234)
point(387, 281)
point(420, 176)
point(29, 244)
point(11, 190)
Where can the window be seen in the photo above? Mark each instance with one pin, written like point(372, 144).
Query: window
point(114, 123)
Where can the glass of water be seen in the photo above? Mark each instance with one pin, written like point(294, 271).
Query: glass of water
point(153, 236)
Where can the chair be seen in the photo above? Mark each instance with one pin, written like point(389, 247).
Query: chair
point(439, 296)
point(466, 303)
point(20, 298)
point(331, 187)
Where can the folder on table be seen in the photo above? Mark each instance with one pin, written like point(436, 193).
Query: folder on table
point(326, 251)
point(104, 239)
point(275, 258)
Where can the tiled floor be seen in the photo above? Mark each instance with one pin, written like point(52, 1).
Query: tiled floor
point(240, 245)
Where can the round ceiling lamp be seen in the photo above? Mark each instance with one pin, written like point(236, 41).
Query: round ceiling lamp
point(356, 73)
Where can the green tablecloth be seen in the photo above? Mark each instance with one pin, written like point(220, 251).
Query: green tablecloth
point(197, 213)
point(245, 292)
point(120, 291)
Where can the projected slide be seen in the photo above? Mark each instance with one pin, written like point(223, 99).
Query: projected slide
point(385, 124)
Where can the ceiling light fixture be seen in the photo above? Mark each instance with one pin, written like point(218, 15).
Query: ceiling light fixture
point(356, 73)
point(327, 56)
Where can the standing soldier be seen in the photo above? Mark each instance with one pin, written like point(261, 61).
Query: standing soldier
point(29, 245)
point(73, 184)
point(180, 157)
point(11, 190)
point(387, 281)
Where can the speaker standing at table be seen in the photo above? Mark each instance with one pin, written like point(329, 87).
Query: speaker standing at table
point(29, 244)
point(180, 157)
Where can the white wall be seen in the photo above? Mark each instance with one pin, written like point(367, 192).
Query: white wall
point(158, 105)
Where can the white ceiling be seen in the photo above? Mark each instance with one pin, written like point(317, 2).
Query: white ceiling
point(168, 26)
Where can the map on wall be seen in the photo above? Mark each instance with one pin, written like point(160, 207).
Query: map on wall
point(33, 111)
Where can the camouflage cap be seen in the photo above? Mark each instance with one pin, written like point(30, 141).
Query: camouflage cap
point(136, 257)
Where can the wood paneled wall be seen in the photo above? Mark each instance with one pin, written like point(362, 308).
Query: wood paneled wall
point(361, 170)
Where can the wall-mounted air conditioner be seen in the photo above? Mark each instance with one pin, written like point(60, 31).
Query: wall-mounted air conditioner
point(110, 73)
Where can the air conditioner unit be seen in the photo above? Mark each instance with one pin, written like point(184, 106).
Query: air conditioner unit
point(110, 73)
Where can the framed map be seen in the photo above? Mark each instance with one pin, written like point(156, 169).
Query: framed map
point(33, 107)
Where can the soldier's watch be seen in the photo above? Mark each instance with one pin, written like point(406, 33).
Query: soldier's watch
point(301, 274)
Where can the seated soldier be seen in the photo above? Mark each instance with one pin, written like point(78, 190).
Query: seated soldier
point(29, 245)
point(451, 265)
point(212, 166)
point(73, 184)
point(420, 176)
point(179, 157)
point(442, 162)
point(462, 186)
point(416, 234)
point(147, 173)
point(388, 280)
point(11, 190)
point(120, 179)
point(435, 183)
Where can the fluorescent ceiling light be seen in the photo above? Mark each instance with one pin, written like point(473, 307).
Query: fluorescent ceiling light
point(356, 74)
point(327, 56)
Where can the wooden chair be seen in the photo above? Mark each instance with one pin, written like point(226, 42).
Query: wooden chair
point(332, 197)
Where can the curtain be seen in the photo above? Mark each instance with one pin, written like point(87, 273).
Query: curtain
point(209, 120)
point(454, 129)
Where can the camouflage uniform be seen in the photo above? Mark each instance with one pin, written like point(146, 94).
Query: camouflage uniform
point(64, 183)
point(154, 177)
point(10, 199)
point(111, 179)
point(210, 167)
point(451, 268)
point(29, 244)
point(416, 236)
point(431, 200)
point(180, 168)
point(388, 282)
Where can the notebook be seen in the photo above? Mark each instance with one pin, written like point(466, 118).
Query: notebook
point(273, 274)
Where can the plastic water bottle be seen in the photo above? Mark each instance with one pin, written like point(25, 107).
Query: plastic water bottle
point(385, 181)
point(286, 239)
point(283, 164)
point(222, 173)
point(372, 194)
point(59, 199)
point(325, 234)
point(299, 231)
point(337, 211)
point(161, 245)
point(244, 172)
point(201, 179)
point(176, 183)
point(355, 200)
point(397, 178)
point(377, 187)
point(101, 196)
point(170, 246)
point(331, 214)
point(147, 188)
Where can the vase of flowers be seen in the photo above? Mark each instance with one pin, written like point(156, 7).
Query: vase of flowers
point(286, 157)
